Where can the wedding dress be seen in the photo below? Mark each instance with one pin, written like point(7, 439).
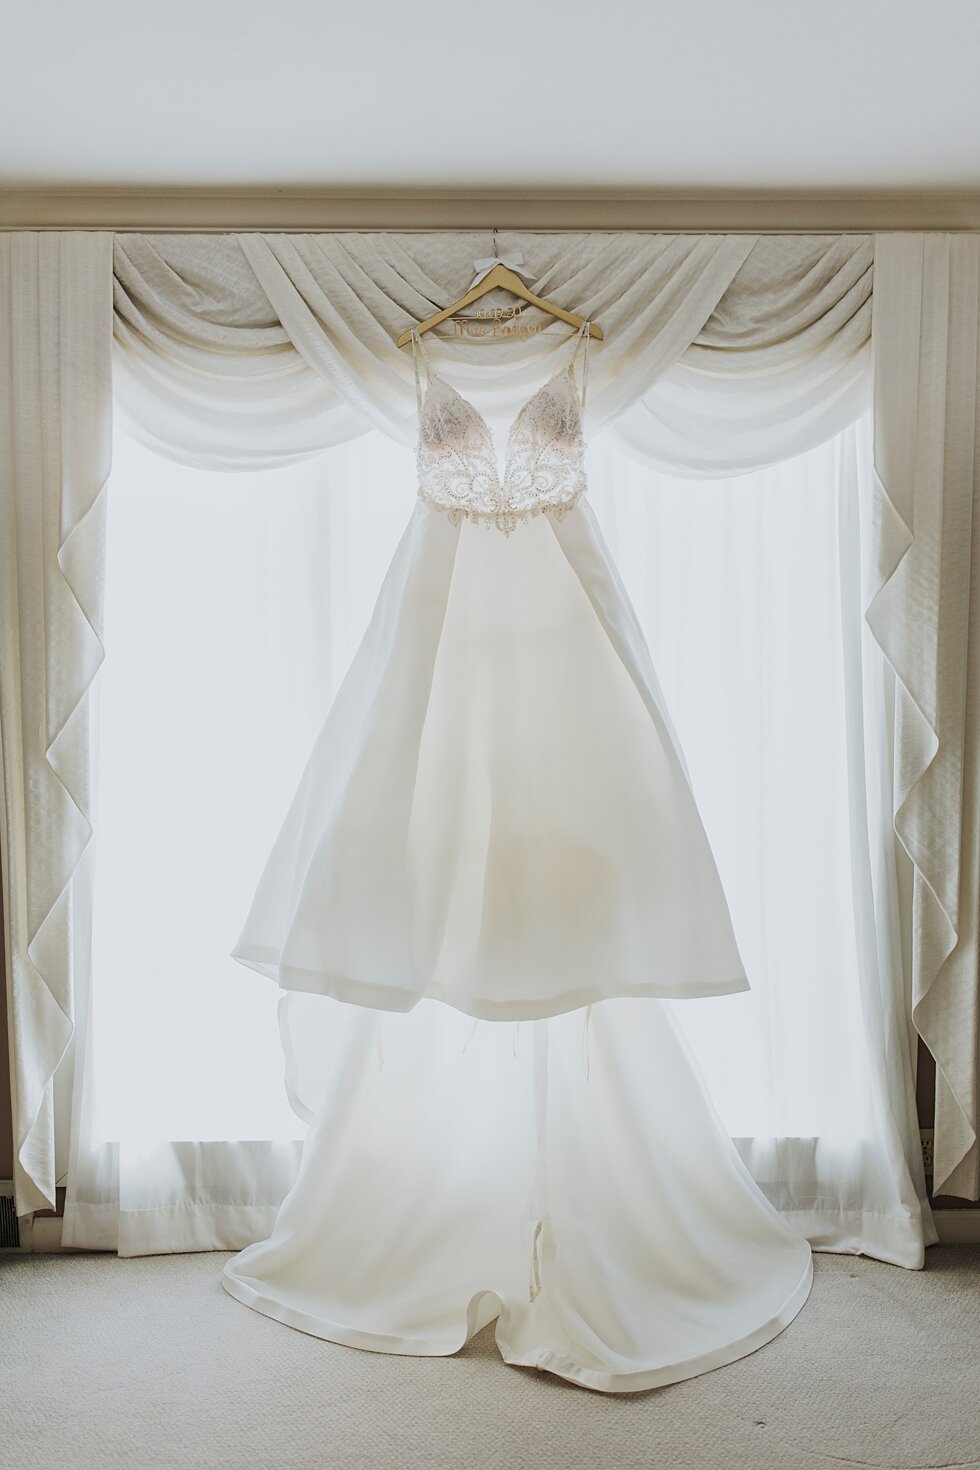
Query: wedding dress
point(496, 833)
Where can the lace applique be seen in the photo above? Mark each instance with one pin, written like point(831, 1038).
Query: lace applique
point(544, 463)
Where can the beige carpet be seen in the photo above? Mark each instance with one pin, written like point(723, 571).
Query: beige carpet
point(129, 1365)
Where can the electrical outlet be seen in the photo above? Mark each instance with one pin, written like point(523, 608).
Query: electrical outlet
point(927, 1136)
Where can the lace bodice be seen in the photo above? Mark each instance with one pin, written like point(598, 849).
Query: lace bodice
point(543, 466)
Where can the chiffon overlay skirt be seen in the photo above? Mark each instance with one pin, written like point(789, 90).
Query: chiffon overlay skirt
point(492, 876)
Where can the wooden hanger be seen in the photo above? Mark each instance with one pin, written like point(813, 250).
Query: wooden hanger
point(500, 277)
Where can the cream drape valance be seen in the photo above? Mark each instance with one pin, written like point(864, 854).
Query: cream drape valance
point(721, 353)
point(262, 348)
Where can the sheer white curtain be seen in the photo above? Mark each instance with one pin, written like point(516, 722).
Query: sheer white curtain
point(208, 706)
point(750, 592)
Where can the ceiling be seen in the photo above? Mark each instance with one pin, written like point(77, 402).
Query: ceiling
point(701, 94)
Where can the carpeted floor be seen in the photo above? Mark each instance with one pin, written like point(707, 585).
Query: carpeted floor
point(138, 1364)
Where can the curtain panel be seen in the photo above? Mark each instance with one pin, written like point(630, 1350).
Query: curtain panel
point(55, 436)
point(926, 618)
point(720, 354)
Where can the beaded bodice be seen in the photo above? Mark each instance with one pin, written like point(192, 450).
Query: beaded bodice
point(544, 461)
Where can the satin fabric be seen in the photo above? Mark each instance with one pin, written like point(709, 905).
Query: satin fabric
point(567, 1177)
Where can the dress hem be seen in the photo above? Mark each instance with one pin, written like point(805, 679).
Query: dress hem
point(546, 1361)
point(394, 998)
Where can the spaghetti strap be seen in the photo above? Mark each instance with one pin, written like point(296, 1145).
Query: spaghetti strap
point(419, 351)
point(585, 363)
point(583, 333)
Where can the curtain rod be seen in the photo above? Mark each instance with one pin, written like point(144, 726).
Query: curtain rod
point(226, 210)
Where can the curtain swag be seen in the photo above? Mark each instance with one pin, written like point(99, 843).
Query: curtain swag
point(721, 354)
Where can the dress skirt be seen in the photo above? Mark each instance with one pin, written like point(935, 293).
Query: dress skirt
point(496, 813)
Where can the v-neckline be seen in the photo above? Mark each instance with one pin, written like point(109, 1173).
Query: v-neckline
point(501, 478)
point(481, 418)
point(565, 372)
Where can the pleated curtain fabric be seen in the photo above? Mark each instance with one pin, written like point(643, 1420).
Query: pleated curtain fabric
point(720, 354)
point(55, 444)
point(926, 617)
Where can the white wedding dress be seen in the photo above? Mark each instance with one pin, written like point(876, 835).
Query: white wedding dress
point(492, 875)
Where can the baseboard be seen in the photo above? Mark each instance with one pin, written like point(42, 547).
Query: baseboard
point(42, 1233)
point(47, 1235)
point(958, 1227)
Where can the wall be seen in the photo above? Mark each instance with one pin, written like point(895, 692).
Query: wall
point(6, 1126)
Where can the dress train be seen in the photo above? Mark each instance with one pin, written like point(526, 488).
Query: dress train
point(567, 1177)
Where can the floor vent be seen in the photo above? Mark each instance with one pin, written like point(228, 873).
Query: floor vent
point(9, 1229)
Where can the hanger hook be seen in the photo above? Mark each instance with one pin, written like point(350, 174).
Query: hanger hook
point(495, 251)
